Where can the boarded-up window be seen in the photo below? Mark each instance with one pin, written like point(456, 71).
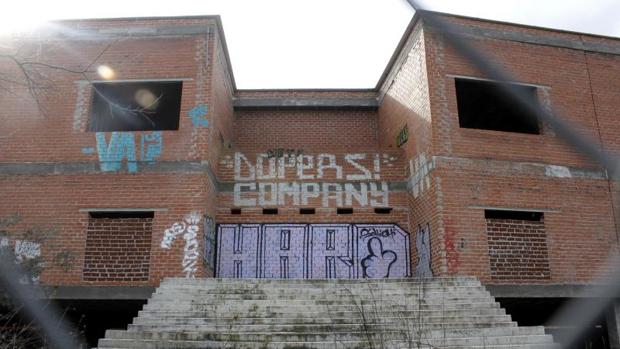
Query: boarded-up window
point(517, 245)
point(135, 106)
point(118, 246)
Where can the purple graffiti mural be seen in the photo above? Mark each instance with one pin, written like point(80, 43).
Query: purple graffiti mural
point(312, 251)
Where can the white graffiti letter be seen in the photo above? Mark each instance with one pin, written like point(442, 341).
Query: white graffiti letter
point(335, 193)
point(352, 159)
point(191, 249)
point(301, 167)
point(286, 161)
point(260, 167)
point(239, 160)
point(351, 192)
point(262, 189)
point(379, 193)
point(238, 200)
point(291, 189)
point(331, 164)
point(309, 190)
point(171, 233)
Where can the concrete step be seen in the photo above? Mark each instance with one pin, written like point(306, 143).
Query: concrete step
point(233, 294)
point(316, 315)
point(459, 333)
point(358, 339)
point(396, 313)
point(423, 326)
point(419, 319)
point(190, 302)
point(445, 281)
point(318, 287)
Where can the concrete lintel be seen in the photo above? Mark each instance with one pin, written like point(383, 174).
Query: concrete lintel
point(98, 292)
point(107, 209)
point(53, 168)
point(306, 103)
point(537, 39)
point(507, 167)
point(528, 209)
point(546, 291)
point(86, 33)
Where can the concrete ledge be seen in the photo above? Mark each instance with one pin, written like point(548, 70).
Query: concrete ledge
point(55, 168)
point(546, 291)
point(98, 292)
point(305, 103)
point(536, 39)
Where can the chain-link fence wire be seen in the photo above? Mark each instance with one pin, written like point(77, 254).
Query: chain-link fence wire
point(27, 297)
point(582, 311)
point(585, 308)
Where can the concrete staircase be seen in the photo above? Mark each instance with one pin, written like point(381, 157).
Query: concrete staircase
point(381, 314)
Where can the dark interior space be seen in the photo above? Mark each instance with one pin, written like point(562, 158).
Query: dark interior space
point(135, 106)
point(481, 106)
point(94, 317)
point(89, 319)
point(516, 215)
point(540, 311)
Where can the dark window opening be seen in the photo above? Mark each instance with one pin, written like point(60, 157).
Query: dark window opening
point(135, 106)
point(122, 214)
point(270, 211)
point(383, 210)
point(481, 106)
point(344, 211)
point(516, 215)
point(307, 211)
point(235, 211)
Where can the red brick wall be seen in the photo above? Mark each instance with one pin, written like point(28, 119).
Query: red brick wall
point(463, 172)
point(517, 249)
point(406, 103)
point(480, 168)
point(58, 195)
point(312, 132)
point(117, 249)
point(318, 131)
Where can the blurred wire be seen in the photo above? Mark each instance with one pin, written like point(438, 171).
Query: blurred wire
point(586, 308)
point(46, 316)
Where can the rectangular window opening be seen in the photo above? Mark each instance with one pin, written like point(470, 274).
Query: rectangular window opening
point(481, 106)
point(307, 211)
point(121, 214)
point(515, 215)
point(270, 211)
point(235, 211)
point(344, 211)
point(383, 210)
point(135, 106)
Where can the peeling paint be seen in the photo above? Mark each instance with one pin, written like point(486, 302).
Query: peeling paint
point(557, 171)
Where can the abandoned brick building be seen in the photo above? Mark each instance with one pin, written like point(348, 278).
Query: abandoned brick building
point(148, 162)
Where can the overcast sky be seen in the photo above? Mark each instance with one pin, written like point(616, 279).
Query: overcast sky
point(320, 43)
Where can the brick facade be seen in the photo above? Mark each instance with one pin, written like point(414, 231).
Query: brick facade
point(517, 249)
point(303, 149)
point(117, 248)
